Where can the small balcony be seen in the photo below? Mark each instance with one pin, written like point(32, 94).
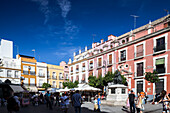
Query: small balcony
point(41, 75)
point(54, 77)
point(32, 72)
point(25, 72)
point(123, 59)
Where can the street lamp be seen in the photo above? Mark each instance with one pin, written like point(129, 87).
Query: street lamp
point(104, 66)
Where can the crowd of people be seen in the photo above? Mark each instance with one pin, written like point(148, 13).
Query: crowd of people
point(137, 103)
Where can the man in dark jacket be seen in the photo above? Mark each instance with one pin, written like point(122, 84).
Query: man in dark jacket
point(132, 102)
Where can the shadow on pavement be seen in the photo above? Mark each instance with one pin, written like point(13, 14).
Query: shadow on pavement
point(86, 110)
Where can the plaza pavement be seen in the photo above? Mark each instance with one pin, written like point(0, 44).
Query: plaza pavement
point(87, 107)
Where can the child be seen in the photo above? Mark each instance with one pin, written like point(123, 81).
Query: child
point(95, 104)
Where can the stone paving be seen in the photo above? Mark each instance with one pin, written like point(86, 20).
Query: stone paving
point(87, 107)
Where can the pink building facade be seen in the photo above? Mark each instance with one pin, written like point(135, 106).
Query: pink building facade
point(144, 49)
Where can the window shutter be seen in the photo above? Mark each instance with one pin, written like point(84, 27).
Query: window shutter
point(83, 64)
point(110, 59)
point(100, 62)
point(139, 49)
point(99, 72)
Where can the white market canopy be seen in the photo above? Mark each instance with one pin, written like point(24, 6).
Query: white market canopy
point(86, 87)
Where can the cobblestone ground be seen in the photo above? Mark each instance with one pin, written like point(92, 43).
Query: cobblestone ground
point(86, 108)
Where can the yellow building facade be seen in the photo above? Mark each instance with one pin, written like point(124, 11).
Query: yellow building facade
point(55, 75)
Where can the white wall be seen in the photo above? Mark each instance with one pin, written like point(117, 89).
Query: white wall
point(6, 49)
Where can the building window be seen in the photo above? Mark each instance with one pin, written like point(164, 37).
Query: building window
point(60, 76)
point(140, 69)
point(32, 81)
point(99, 62)
point(123, 55)
point(160, 44)
point(40, 82)
point(123, 41)
point(139, 86)
point(91, 64)
point(113, 91)
point(83, 67)
point(54, 84)
point(41, 72)
point(71, 69)
point(127, 39)
point(110, 59)
point(66, 76)
point(123, 91)
point(54, 75)
point(32, 70)
point(83, 78)
point(16, 74)
point(25, 70)
point(77, 68)
point(159, 86)
point(139, 50)
point(60, 84)
point(9, 73)
point(160, 65)
point(48, 74)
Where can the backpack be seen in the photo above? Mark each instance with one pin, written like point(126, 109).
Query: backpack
point(12, 104)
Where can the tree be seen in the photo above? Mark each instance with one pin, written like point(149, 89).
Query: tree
point(108, 78)
point(46, 85)
point(153, 78)
point(70, 84)
point(92, 80)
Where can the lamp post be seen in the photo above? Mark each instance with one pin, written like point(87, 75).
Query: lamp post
point(104, 66)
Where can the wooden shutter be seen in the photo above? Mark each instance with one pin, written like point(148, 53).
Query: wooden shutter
point(110, 59)
point(72, 78)
point(71, 69)
point(100, 62)
point(110, 69)
point(83, 77)
point(139, 50)
point(99, 72)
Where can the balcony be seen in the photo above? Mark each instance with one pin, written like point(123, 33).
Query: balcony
point(41, 74)
point(32, 72)
point(139, 54)
point(54, 77)
point(25, 72)
point(159, 49)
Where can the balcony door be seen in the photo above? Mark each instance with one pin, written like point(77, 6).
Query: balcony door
point(139, 86)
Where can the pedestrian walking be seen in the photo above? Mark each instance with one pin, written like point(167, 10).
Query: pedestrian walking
point(139, 105)
point(77, 101)
point(165, 102)
point(48, 101)
point(66, 99)
point(57, 100)
point(95, 104)
point(132, 102)
point(98, 103)
point(62, 104)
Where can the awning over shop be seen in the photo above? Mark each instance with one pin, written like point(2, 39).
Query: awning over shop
point(16, 88)
point(31, 88)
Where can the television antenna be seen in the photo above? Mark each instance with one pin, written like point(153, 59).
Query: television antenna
point(167, 11)
point(134, 16)
point(94, 35)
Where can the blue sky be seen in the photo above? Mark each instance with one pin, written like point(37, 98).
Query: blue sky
point(57, 28)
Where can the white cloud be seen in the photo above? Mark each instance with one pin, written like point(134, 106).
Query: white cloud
point(44, 8)
point(65, 6)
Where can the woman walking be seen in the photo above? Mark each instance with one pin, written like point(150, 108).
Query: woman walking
point(165, 101)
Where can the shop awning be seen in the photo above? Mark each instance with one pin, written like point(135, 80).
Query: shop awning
point(16, 89)
point(31, 88)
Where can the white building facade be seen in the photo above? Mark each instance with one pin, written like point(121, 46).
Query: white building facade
point(41, 73)
point(10, 68)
